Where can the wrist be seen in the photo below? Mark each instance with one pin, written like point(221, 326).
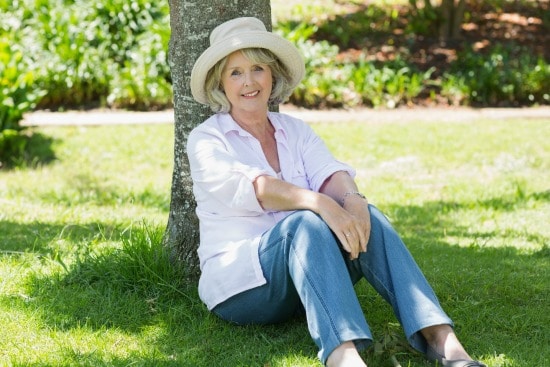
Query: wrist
point(351, 193)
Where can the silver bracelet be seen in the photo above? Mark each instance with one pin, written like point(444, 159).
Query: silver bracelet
point(352, 193)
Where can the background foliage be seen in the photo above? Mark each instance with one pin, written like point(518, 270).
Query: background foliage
point(94, 53)
point(113, 53)
point(60, 54)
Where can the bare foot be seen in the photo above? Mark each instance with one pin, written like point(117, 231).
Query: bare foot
point(443, 340)
point(345, 355)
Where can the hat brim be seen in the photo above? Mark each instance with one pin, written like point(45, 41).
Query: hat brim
point(287, 53)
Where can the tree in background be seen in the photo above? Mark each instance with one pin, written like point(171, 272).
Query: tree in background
point(191, 22)
point(444, 15)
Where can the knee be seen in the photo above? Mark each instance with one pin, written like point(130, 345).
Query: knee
point(306, 218)
point(378, 220)
point(307, 223)
point(305, 214)
point(382, 230)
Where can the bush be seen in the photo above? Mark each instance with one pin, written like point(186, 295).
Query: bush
point(391, 84)
point(331, 82)
point(506, 76)
point(107, 53)
point(18, 95)
point(113, 53)
point(143, 81)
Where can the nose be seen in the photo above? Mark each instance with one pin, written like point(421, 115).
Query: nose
point(248, 78)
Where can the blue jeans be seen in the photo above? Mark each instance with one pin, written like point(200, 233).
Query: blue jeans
point(305, 267)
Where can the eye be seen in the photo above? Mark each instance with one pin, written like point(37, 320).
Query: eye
point(258, 68)
point(235, 73)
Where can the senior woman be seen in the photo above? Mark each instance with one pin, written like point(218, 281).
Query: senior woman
point(283, 227)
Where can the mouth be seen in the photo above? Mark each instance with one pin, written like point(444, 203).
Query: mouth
point(251, 94)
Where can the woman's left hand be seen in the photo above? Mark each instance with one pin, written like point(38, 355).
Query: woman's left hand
point(353, 227)
point(359, 208)
point(351, 223)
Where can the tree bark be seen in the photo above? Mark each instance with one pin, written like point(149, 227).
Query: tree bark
point(191, 22)
point(452, 14)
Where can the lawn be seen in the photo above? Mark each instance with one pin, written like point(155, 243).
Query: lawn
point(84, 280)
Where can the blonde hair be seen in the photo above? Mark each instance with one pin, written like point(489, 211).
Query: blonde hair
point(281, 90)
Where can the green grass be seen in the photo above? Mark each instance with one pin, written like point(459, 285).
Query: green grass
point(84, 280)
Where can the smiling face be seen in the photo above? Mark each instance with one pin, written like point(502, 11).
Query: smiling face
point(247, 85)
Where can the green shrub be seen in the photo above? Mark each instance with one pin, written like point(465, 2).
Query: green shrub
point(17, 96)
point(423, 19)
point(108, 52)
point(455, 89)
point(75, 63)
point(391, 84)
point(506, 76)
point(113, 53)
point(321, 84)
point(331, 82)
point(143, 82)
point(351, 30)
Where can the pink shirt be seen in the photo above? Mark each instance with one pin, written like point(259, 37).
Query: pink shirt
point(225, 160)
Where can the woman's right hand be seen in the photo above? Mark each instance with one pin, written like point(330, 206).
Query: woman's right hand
point(351, 229)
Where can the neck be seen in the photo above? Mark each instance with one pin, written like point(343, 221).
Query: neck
point(255, 123)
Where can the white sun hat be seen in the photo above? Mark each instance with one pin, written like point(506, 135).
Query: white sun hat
point(237, 34)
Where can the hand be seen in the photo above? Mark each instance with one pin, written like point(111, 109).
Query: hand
point(359, 208)
point(351, 224)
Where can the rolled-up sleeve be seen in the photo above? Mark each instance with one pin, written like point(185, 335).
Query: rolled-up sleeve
point(217, 172)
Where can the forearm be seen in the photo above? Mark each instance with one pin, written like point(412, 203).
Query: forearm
point(275, 194)
point(351, 223)
point(356, 230)
point(341, 187)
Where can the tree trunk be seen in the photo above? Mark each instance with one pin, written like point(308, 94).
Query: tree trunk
point(191, 22)
point(452, 15)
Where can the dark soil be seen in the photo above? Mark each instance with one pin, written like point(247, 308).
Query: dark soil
point(523, 25)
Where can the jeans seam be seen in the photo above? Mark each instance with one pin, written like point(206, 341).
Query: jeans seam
point(381, 285)
point(321, 300)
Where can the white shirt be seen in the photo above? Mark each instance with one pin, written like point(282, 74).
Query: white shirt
point(225, 160)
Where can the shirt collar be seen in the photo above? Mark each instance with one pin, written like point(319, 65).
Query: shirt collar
point(227, 124)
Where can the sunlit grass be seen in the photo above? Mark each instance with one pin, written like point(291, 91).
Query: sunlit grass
point(84, 279)
point(483, 175)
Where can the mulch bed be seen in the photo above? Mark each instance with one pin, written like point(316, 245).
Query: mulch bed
point(519, 23)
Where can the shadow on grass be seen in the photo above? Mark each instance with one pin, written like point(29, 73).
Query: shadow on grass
point(37, 151)
point(38, 237)
point(135, 287)
point(497, 297)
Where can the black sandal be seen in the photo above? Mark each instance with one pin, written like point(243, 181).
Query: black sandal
point(432, 355)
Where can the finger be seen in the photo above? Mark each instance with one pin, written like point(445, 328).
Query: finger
point(349, 243)
point(343, 237)
point(366, 241)
point(364, 234)
point(348, 240)
point(361, 236)
point(363, 241)
point(355, 244)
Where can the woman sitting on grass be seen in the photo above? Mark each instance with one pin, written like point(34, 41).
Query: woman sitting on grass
point(283, 226)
